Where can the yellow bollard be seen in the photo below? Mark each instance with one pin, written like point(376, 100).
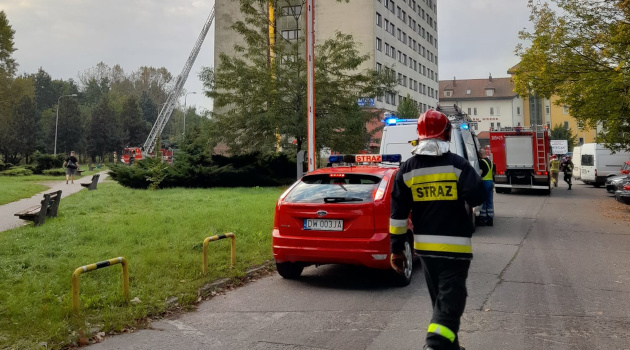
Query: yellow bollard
point(92, 267)
point(216, 238)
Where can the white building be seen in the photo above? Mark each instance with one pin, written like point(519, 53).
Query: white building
point(491, 102)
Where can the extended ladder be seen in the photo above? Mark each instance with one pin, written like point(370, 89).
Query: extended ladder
point(541, 153)
point(175, 93)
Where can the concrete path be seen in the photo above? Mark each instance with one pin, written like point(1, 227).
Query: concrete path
point(8, 220)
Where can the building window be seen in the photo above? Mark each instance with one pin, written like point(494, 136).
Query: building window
point(468, 92)
point(547, 110)
point(581, 141)
point(291, 34)
point(565, 109)
point(499, 126)
point(379, 67)
point(291, 10)
point(475, 111)
point(498, 110)
point(468, 111)
point(491, 126)
point(379, 20)
point(379, 44)
point(566, 125)
point(448, 94)
point(491, 110)
point(489, 92)
point(518, 110)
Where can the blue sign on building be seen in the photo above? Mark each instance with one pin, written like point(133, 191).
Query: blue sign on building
point(366, 102)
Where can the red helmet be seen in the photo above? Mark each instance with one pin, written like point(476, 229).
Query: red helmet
point(434, 125)
point(553, 157)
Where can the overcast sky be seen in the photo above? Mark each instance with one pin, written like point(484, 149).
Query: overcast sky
point(65, 37)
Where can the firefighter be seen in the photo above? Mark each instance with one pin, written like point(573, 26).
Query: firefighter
point(434, 185)
point(486, 216)
point(568, 171)
point(554, 167)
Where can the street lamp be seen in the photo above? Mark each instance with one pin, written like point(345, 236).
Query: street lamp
point(185, 96)
point(57, 119)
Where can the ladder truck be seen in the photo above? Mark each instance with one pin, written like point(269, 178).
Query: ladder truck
point(167, 108)
point(521, 158)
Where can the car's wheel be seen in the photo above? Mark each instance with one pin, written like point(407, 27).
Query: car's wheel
point(597, 184)
point(289, 270)
point(405, 278)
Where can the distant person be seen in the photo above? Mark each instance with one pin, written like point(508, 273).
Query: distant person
point(115, 158)
point(132, 158)
point(71, 164)
point(554, 167)
point(486, 216)
point(568, 171)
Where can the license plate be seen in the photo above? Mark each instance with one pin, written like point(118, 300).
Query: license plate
point(323, 225)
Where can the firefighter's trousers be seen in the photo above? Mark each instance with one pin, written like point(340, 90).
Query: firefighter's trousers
point(446, 281)
point(554, 178)
point(486, 215)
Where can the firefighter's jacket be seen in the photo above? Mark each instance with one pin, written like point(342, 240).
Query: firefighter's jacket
point(554, 166)
point(434, 189)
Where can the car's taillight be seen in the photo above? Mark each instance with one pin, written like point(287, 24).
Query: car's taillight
point(380, 191)
point(626, 187)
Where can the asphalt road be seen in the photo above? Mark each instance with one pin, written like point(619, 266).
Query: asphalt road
point(553, 273)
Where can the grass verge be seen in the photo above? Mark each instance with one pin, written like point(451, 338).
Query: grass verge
point(160, 233)
point(14, 188)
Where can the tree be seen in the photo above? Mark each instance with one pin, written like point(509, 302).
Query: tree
point(559, 132)
point(582, 57)
point(134, 129)
point(70, 127)
point(260, 98)
point(407, 109)
point(104, 130)
point(8, 65)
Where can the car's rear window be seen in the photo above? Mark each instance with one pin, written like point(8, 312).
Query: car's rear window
point(322, 188)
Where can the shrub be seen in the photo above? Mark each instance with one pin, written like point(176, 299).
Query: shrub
point(196, 169)
point(5, 166)
point(16, 172)
point(55, 172)
point(47, 161)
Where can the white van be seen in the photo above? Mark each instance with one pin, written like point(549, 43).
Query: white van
point(576, 158)
point(598, 163)
point(398, 135)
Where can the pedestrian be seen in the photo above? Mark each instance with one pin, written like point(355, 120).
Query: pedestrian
point(554, 167)
point(71, 164)
point(568, 171)
point(434, 185)
point(486, 216)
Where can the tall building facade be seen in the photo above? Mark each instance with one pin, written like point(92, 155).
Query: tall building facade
point(400, 37)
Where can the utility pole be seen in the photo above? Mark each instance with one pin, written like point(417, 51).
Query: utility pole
point(310, 82)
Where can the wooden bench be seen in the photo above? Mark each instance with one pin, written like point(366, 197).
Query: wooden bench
point(80, 172)
point(92, 184)
point(48, 208)
point(91, 167)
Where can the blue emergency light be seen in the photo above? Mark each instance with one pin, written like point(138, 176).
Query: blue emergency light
point(392, 158)
point(391, 121)
point(464, 126)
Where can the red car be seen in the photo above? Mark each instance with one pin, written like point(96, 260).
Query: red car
point(339, 215)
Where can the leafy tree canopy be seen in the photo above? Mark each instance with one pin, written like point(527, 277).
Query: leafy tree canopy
point(559, 132)
point(407, 109)
point(7, 63)
point(260, 94)
point(582, 56)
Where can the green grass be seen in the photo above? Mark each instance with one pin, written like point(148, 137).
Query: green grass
point(160, 233)
point(14, 188)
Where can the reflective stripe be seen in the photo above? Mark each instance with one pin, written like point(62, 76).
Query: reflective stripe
point(431, 171)
point(397, 226)
point(443, 239)
point(443, 331)
point(421, 179)
point(451, 244)
point(440, 247)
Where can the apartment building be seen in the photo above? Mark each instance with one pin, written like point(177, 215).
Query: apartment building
point(491, 102)
point(400, 36)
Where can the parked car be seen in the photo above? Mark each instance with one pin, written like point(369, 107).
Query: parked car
point(623, 194)
point(613, 182)
point(339, 215)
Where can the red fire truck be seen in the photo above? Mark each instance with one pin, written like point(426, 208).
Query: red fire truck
point(136, 154)
point(521, 158)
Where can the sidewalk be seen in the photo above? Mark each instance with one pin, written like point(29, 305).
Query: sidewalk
point(8, 220)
